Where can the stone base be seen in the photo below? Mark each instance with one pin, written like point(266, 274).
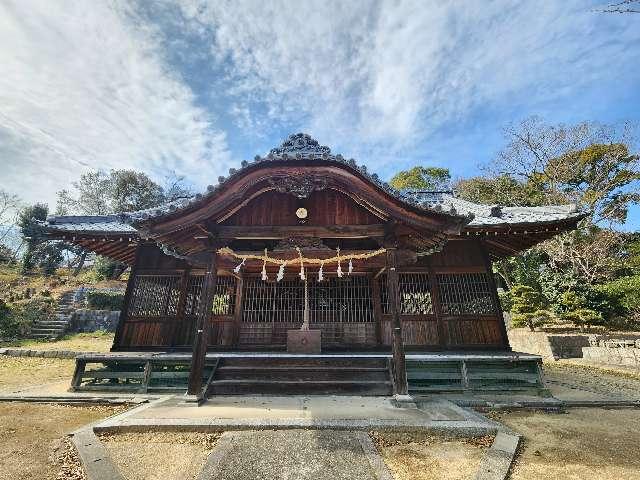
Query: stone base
point(404, 401)
point(304, 341)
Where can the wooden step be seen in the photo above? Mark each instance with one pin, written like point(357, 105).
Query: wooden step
point(298, 387)
point(326, 362)
point(301, 373)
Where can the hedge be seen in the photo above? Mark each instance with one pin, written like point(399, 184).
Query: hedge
point(105, 300)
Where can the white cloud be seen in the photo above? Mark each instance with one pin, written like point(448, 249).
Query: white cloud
point(388, 74)
point(84, 85)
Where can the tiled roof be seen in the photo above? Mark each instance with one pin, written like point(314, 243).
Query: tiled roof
point(301, 146)
point(495, 215)
point(112, 224)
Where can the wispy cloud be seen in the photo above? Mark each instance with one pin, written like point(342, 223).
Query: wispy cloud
point(390, 73)
point(192, 85)
point(84, 85)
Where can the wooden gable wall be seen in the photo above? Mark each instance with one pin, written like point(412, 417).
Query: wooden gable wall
point(326, 208)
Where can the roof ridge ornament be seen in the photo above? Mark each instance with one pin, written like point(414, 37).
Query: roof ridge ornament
point(300, 143)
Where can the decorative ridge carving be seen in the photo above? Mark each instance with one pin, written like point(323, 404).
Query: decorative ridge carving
point(287, 244)
point(300, 143)
point(300, 186)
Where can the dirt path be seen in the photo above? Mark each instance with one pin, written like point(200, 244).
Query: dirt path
point(584, 443)
point(417, 456)
point(32, 437)
point(159, 455)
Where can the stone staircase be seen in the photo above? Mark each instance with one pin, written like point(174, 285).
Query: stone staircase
point(54, 328)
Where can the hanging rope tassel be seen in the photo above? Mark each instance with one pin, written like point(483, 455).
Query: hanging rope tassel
point(302, 276)
point(280, 275)
point(240, 265)
point(339, 271)
point(320, 272)
point(350, 267)
point(264, 267)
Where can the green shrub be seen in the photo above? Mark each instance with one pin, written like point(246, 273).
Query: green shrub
point(105, 300)
point(528, 308)
point(587, 306)
point(583, 317)
point(506, 302)
point(17, 319)
point(627, 289)
point(106, 269)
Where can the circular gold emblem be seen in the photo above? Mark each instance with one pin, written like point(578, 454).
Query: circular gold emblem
point(301, 213)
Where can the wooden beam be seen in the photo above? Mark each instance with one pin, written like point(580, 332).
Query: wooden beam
point(278, 232)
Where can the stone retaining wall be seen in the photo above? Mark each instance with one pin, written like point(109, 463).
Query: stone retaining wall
point(629, 357)
point(27, 352)
point(548, 346)
point(83, 320)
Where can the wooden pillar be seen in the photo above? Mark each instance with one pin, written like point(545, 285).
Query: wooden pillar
point(201, 337)
point(127, 299)
point(237, 314)
point(393, 289)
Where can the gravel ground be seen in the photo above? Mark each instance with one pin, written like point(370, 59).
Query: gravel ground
point(415, 456)
point(604, 382)
point(294, 455)
point(159, 455)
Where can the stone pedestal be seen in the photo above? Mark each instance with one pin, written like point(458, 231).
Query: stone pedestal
point(304, 341)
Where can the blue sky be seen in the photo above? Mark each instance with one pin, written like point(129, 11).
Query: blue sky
point(196, 87)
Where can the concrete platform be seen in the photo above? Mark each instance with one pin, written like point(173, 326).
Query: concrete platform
point(287, 412)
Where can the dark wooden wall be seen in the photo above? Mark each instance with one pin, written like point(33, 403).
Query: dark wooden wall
point(448, 301)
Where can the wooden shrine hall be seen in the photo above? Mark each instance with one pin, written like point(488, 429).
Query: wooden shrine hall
point(304, 260)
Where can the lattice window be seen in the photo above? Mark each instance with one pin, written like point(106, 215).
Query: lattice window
point(154, 296)
point(333, 300)
point(465, 294)
point(415, 294)
point(224, 300)
point(341, 300)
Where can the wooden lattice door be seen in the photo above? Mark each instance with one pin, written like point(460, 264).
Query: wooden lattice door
point(341, 308)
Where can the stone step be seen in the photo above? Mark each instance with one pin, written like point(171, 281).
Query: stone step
point(54, 331)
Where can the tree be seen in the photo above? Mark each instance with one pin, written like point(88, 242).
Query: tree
point(101, 193)
point(588, 164)
point(527, 307)
point(39, 252)
point(10, 205)
point(422, 178)
point(503, 190)
point(625, 6)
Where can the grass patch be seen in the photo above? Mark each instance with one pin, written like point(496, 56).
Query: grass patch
point(99, 341)
point(29, 371)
